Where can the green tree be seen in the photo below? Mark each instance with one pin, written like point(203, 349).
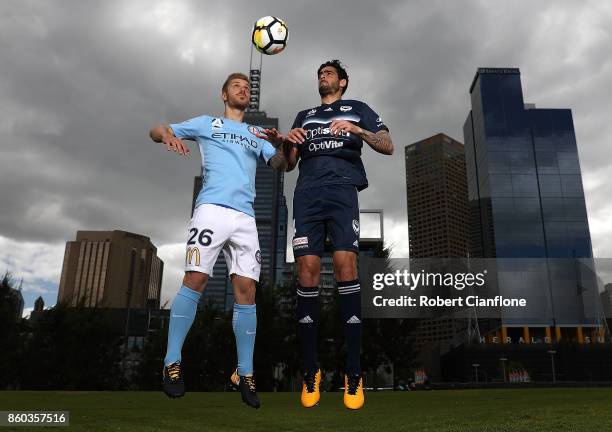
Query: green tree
point(388, 342)
point(72, 348)
point(11, 330)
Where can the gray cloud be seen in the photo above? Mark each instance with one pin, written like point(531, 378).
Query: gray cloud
point(81, 83)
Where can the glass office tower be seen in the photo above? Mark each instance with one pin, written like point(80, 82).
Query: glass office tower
point(527, 201)
point(524, 181)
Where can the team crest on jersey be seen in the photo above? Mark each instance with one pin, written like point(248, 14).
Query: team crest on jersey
point(356, 226)
point(345, 108)
point(328, 109)
point(311, 112)
point(217, 123)
point(253, 130)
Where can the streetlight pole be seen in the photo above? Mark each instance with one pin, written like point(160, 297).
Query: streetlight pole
point(552, 363)
point(504, 360)
point(476, 371)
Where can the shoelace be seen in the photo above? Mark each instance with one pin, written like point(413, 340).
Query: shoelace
point(250, 382)
point(174, 371)
point(353, 383)
point(309, 379)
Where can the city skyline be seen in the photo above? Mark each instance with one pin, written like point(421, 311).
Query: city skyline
point(83, 90)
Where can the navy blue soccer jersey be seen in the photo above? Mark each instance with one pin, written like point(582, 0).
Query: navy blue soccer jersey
point(334, 159)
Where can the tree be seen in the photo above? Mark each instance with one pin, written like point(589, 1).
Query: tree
point(388, 342)
point(11, 330)
point(72, 348)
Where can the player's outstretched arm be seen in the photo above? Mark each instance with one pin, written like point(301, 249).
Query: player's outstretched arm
point(165, 135)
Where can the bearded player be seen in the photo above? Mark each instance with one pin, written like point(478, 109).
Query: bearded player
point(328, 140)
point(223, 220)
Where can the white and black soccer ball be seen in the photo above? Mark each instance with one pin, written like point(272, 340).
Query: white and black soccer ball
point(270, 35)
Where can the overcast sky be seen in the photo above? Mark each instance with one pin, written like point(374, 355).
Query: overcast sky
point(81, 83)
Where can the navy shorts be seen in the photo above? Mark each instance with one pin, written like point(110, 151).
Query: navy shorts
point(326, 211)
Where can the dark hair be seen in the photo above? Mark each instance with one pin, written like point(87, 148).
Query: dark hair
point(235, 75)
point(336, 64)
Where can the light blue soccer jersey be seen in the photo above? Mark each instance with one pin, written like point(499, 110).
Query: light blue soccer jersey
point(229, 151)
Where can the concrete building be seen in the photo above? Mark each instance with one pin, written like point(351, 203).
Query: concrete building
point(436, 189)
point(114, 269)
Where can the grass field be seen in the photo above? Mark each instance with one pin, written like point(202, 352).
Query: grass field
point(558, 410)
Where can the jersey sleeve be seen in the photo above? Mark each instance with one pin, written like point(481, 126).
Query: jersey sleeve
point(267, 151)
point(297, 123)
point(192, 128)
point(371, 120)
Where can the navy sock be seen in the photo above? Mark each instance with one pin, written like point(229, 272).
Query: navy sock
point(350, 304)
point(308, 311)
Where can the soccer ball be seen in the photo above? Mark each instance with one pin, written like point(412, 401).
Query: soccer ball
point(270, 35)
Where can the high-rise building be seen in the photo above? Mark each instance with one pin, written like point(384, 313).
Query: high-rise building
point(114, 269)
point(271, 220)
point(19, 303)
point(39, 309)
point(528, 221)
point(524, 179)
point(437, 203)
point(437, 206)
point(527, 201)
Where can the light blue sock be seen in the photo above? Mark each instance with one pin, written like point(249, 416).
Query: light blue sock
point(181, 318)
point(244, 323)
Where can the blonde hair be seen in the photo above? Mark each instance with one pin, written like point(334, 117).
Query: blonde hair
point(235, 75)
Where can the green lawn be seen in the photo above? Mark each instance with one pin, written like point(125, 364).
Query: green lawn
point(558, 410)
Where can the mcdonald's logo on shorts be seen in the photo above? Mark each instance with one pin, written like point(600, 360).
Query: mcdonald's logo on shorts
point(191, 251)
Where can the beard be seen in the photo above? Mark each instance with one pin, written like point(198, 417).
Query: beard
point(235, 102)
point(328, 88)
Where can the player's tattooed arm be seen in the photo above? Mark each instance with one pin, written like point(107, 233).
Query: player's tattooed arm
point(165, 135)
point(379, 141)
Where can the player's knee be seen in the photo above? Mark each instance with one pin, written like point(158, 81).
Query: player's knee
point(195, 280)
point(244, 293)
point(345, 266)
point(309, 276)
point(244, 290)
point(345, 271)
point(309, 271)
